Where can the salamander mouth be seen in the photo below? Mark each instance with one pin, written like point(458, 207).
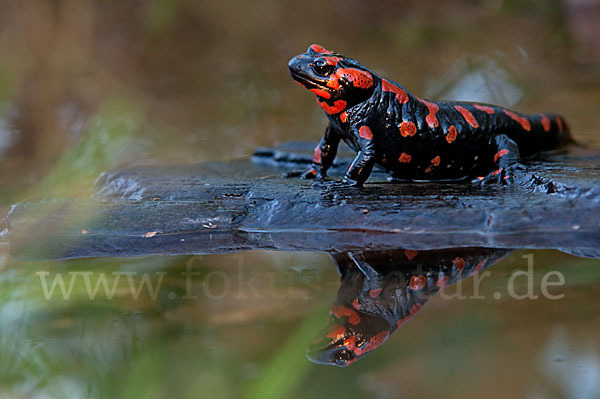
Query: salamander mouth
point(309, 84)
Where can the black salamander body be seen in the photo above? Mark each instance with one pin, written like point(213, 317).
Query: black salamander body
point(416, 139)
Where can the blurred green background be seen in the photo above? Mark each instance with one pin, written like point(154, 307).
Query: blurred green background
point(90, 85)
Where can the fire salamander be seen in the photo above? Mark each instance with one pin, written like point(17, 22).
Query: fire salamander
point(382, 290)
point(413, 138)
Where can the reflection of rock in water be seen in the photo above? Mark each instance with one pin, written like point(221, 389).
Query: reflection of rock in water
point(380, 290)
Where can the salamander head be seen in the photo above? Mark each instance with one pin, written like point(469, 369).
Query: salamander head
point(349, 337)
point(338, 82)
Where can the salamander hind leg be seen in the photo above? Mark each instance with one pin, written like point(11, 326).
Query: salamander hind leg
point(504, 157)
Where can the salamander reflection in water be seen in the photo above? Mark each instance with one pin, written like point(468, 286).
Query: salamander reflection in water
point(381, 290)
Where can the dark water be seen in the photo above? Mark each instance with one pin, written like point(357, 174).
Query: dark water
point(86, 86)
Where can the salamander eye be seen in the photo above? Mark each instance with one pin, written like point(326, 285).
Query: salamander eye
point(342, 357)
point(322, 68)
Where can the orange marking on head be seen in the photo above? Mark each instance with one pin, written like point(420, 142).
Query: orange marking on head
point(524, 122)
point(341, 311)
point(467, 115)
point(376, 341)
point(404, 158)
point(451, 136)
point(442, 281)
point(431, 119)
point(436, 161)
point(355, 304)
point(333, 82)
point(497, 171)
point(344, 117)
point(375, 293)
point(484, 108)
point(410, 254)
point(401, 95)
point(418, 282)
point(317, 48)
point(545, 121)
point(358, 77)
point(317, 155)
point(336, 332)
point(459, 263)
point(560, 124)
point(480, 177)
point(321, 93)
point(365, 132)
point(350, 343)
point(337, 107)
point(408, 129)
point(500, 154)
point(332, 60)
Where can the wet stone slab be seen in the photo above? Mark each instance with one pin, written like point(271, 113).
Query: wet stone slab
point(248, 204)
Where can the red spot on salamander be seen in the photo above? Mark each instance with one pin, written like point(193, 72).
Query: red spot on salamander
point(459, 263)
point(560, 124)
point(497, 171)
point(436, 161)
point(313, 172)
point(358, 77)
point(317, 48)
point(355, 304)
point(410, 254)
point(374, 342)
point(500, 154)
point(336, 332)
point(428, 170)
point(337, 107)
point(344, 117)
point(524, 122)
point(545, 121)
point(408, 129)
point(431, 119)
point(467, 115)
point(365, 132)
point(321, 93)
point(451, 136)
point(479, 266)
point(317, 155)
point(401, 95)
point(484, 108)
point(332, 60)
point(418, 282)
point(404, 158)
point(341, 311)
point(375, 293)
point(333, 82)
point(415, 308)
point(442, 281)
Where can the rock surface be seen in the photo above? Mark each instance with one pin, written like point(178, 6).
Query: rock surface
point(234, 206)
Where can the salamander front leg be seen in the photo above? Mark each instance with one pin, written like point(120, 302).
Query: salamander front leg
point(505, 160)
point(324, 155)
point(361, 167)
